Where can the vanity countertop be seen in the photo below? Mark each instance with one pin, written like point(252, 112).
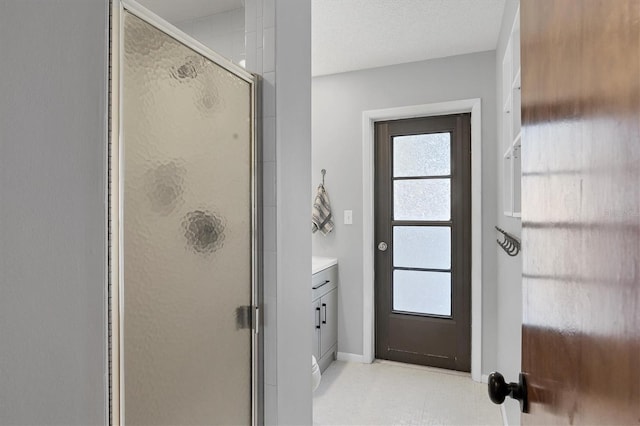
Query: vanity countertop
point(321, 263)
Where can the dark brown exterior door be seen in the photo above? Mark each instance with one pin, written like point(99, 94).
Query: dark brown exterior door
point(581, 210)
point(423, 228)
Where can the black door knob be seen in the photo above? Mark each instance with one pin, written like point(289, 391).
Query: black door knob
point(499, 390)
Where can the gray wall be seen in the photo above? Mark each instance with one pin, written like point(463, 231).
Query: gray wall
point(293, 160)
point(52, 211)
point(509, 279)
point(338, 103)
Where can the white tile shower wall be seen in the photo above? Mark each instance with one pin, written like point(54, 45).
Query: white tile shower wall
point(223, 32)
point(282, 55)
point(250, 46)
point(270, 350)
point(269, 13)
point(269, 93)
point(254, 52)
point(268, 40)
point(269, 139)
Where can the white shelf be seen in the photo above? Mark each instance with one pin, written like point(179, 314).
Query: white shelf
point(511, 123)
point(506, 108)
point(516, 140)
point(516, 80)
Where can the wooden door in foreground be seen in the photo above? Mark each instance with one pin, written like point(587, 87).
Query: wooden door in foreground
point(581, 210)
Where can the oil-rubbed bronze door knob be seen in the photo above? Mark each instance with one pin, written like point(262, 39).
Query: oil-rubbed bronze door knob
point(499, 390)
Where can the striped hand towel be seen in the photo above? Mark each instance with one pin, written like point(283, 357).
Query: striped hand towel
point(321, 215)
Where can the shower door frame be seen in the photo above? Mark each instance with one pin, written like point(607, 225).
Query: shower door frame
point(115, 291)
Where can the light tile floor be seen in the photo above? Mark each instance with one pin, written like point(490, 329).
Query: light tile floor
point(390, 393)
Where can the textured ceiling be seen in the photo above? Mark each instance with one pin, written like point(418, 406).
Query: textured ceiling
point(182, 10)
point(348, 35)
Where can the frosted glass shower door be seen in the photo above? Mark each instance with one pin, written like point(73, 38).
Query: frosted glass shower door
point(187, 233)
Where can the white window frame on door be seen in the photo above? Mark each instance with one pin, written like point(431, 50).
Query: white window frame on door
point(427, 110)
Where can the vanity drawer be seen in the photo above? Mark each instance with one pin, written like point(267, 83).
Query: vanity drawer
point(324, 281)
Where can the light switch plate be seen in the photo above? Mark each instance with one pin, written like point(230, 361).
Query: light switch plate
point(348, 217)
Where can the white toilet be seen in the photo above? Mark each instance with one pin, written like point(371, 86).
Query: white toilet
point(315, 373)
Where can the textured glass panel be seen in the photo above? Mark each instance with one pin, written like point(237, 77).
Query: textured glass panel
point(187, 234)
point(425, 199)
point(422, 247)
point(422, 292)
point(422, 155)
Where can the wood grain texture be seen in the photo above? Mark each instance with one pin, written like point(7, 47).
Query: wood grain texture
point(581, 210)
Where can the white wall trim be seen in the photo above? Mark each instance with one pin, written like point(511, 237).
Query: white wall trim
point(442, 108)
point(503, 413)
point(348, 357)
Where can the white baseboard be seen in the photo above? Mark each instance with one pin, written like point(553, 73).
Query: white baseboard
point(484, 378)
point(503, 413)
point(346, 356)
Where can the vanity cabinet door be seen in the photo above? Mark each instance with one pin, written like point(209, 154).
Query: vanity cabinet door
point(316, 322)
point(329, 320)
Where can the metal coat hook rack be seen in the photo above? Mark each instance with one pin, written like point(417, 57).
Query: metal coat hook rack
point(510, 244)
point(324, 172)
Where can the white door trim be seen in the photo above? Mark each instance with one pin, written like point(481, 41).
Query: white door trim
point(443, 108)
